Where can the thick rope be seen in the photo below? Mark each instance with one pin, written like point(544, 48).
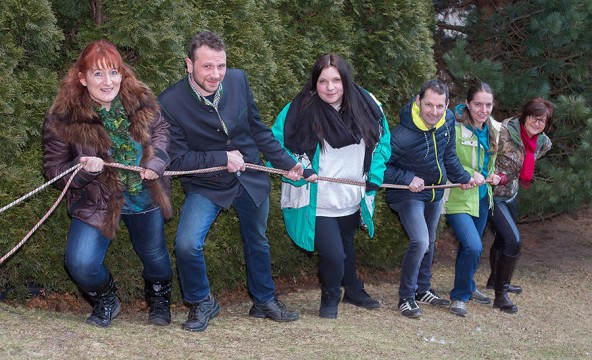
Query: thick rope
point(25, 197)
point(284, 172)
point(77, 168)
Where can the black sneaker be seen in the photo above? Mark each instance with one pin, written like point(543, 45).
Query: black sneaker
point(430, 297)
point(409, 308)
point(274, 310)
point(360, 298)
point(201, 313)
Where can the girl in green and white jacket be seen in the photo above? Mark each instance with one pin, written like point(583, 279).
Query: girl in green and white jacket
point(335, 129)
point(466, 211)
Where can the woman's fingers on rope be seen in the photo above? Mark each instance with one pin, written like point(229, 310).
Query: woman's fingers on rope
point(295, 173)
point(479, 179)
point(148, 174)
point(313, 178)
point(493, 179)
point(92, 163)
point(471, 184)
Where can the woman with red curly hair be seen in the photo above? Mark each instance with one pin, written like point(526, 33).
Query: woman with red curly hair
point(102, 114)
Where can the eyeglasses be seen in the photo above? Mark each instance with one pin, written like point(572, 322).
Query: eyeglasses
point(538, 120)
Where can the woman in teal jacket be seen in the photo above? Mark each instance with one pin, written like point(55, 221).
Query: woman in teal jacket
point(467, 211)
point(335, 129)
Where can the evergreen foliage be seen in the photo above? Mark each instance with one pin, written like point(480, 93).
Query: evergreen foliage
point(387, 42)
point(563, 176)
point(392, 46)
point(534, 48)
point(30, 45)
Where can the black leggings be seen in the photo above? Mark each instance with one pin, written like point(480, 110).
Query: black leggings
point(503, 220)
point(334, 240)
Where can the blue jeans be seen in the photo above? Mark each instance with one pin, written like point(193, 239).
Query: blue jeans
point(468, 230)
point(86, 249)
point(334, 240)
point(420, 220)
point(197, 216)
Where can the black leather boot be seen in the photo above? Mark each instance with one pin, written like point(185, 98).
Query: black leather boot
point(494, 255)
point(359, 297)
point(158, 297)
point(503, 276)
point(493, 258)
point(106, 307)
point(329, 303)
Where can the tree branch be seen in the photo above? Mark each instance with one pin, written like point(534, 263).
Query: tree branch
point(445, 26)
point(98, 17)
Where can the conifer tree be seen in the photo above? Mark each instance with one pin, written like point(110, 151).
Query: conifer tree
point(535, 48)
point(393, 48)
point(150, 34)
point(29, 47)
point(387, 43)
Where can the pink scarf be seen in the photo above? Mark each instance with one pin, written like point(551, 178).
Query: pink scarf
point(527, 171)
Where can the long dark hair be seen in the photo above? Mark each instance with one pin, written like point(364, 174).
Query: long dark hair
point(352, 108)
point(466, 118)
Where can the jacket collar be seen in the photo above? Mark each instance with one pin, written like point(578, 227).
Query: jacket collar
point(417, 120)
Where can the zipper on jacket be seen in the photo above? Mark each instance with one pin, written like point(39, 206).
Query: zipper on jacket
point(437, 163)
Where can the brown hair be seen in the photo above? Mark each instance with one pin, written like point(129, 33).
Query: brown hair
point(204, 38)
point(465, 116)
point(437, 86)
point(538, 107)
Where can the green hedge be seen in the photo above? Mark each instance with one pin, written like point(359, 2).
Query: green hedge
point(389, 44)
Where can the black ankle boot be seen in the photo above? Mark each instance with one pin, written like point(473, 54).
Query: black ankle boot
point(106, 307)
point(503, 276)
point(329, 303)
point(359, 297)
point(158, 297)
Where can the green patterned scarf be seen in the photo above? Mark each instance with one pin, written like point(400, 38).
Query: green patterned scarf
point(122, 149)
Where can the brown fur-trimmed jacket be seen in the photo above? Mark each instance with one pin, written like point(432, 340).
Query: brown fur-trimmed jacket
point(73, 130)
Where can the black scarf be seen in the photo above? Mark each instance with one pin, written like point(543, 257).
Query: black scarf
point(301, 138)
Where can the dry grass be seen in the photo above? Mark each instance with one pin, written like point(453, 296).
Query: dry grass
point(554, 321)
